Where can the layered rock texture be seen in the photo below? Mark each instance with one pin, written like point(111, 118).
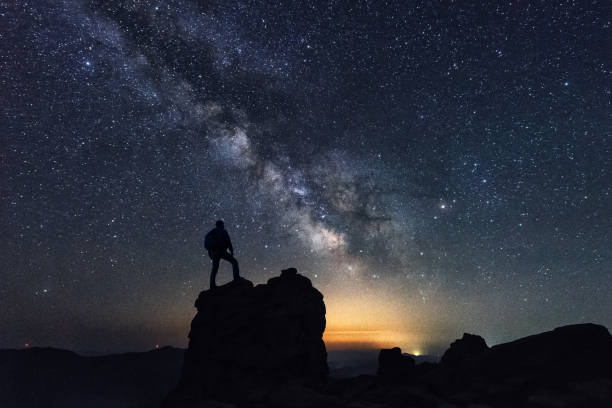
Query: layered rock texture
point(248, 341)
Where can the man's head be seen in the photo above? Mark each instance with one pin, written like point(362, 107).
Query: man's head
point(219, 224)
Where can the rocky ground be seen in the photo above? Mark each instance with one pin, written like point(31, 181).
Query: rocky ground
point(261, 346)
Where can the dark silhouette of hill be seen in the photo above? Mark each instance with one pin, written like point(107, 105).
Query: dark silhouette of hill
point(49, 377)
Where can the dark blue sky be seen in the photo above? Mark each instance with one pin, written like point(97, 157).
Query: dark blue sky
point(433, 167)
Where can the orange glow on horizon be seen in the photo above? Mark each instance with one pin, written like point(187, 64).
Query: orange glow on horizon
point(371, 320)
point(363, 339)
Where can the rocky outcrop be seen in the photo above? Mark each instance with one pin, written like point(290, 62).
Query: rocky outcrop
point(246, 341)
point(468, 348)
point(261, 346)
point(392, 364)
point(566, 353)
point(568, 366)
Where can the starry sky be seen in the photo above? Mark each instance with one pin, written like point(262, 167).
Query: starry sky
point(433, 167)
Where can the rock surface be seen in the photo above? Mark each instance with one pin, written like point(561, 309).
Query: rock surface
point(575, 352)
point(463, 350)
point(246, 341)
point(565, 367)
point(262, 347)
point(393, 364)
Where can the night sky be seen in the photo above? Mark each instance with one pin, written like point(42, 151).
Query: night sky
point(433, 167)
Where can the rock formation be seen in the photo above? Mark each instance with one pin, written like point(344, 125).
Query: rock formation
point(261, 346)
point(256, 347)
point(245, 341)
point(566, 353)
point(393, 364)
point(463, 350)
point(570, 366)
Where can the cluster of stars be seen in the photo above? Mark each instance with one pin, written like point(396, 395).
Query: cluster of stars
point(429, 158)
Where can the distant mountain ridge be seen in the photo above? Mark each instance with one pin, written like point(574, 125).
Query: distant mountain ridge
point(51, 377)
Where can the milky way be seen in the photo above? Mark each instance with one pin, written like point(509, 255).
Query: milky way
point(433, 168)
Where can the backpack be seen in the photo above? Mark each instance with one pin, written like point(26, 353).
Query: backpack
point(214, 240)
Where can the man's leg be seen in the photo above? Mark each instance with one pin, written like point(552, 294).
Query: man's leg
point(213, 273)
point(235, 270)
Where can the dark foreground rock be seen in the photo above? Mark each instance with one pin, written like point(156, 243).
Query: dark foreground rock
point(249, 343)
point(570, 366)
point(394, 365)
point(568, 353)
point(262, 347)
point(464, 350)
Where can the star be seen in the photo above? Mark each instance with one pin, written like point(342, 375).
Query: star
point(323, 146)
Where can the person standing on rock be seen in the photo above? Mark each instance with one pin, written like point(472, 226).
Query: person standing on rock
point(217, 242)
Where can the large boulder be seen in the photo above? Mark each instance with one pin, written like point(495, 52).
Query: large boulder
point(394, 365)
point(563, 367)
point(464, 350)
point(574, 352)
point(246, 341)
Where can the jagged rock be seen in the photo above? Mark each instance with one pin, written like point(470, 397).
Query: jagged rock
point(393, 364)
point(262, 347)
point(575, 352)
point(462, 350)
point(537, 370)
point(245, 340)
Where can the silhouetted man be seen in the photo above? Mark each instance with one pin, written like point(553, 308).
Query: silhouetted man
point(217, 242)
